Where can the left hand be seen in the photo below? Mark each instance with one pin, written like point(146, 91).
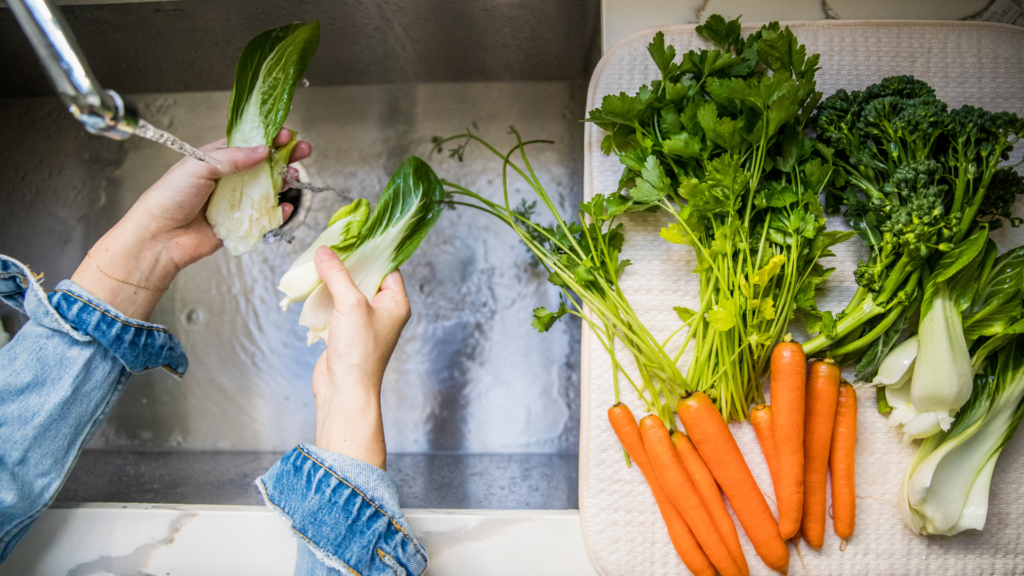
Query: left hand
point(166, 229)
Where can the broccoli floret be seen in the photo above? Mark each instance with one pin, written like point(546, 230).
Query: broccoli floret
point(1003, 190)
point(913, 175)
point(920, 177)
point(916, 225)
point(899, 86)
point(867, 276)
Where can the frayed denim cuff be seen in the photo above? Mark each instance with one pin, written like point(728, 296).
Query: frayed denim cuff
point(346, 511)
point(71, 309)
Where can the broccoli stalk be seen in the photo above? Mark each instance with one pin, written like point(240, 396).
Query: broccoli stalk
point(915, 180)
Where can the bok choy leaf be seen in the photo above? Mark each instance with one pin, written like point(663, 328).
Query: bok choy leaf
point(371, 247)
point(341, 234)
point(945, 490)
point(244, 206)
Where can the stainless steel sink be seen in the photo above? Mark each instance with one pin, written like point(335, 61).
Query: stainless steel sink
point(480, 411)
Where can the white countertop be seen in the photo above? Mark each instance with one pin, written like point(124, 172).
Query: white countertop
point(129, 539)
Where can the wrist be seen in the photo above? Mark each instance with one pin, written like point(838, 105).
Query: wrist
point(128, 269)
point(349, 423)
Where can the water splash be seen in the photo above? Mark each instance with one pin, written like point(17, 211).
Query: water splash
point(150, 132)
point(297, 183)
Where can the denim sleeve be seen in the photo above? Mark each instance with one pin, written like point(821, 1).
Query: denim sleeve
point(346, 514)
point(59, 377)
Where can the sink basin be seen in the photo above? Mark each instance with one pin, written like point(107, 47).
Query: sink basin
point(480, 411)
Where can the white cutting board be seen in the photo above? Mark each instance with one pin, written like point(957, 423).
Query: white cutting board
point(967, 63)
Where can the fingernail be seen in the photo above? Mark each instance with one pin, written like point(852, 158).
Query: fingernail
point(262, 149)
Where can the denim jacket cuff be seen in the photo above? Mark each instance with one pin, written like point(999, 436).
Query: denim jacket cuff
point(71, 309)
point(345, 510)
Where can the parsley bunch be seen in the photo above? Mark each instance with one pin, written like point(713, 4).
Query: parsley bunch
point(718, 143)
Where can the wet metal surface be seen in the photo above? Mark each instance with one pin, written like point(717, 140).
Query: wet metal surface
point(136, 47)
point(477, 481)
point(470, 376)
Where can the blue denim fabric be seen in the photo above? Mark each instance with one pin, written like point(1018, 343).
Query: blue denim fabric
point(65, 369)
point(346, 513)
point(59, 378)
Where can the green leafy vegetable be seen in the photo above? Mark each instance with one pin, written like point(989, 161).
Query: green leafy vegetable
point(718, 142)
point(946, 488)
point(341, 234)
point(956, 335)
point(244, 205)
point(371, 245)
point(583, 259)
point(916, 180)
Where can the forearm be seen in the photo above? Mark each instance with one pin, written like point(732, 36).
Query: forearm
point(55, 392)
point(349, 423)
point(59, 378)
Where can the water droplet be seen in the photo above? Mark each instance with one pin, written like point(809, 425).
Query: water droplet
point(304, 83)
point(193, 317)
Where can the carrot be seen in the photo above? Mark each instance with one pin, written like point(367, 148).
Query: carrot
point(819, 418)
point(680, 489)
point(683, 540)
point(761, 419)
point(788, 377)
point(844, 440)
point(716, 445)
point(706, 486)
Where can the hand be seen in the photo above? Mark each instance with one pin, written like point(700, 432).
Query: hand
point(166, 229)
point(348, 376)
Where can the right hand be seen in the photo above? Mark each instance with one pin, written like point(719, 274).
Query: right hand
point(348, 376)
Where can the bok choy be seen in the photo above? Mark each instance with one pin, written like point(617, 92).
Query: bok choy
point(972, 301)
point(244, 206)
point(371, 245)
point(977, 307)
point(945, 489)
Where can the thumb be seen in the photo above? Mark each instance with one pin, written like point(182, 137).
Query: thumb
point(224, 161)
point(333, 273)
point(231, 160)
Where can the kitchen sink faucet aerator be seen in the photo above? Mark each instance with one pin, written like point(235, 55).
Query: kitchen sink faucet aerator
point(102, 112)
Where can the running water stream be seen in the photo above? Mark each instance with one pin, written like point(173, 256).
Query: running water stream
point(150, 132)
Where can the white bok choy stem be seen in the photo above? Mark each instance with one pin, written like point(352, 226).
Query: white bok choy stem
point(943, 373)
point(945, 490)
point(341, 234)
point(243, 207)
point(408, 208)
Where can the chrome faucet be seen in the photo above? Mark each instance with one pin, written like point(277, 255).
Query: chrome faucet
point(102, 112)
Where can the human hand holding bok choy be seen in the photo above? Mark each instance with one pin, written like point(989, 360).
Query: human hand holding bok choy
point(166, 229)
point(371, 245)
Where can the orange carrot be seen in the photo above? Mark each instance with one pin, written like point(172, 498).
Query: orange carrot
point(761, 419)
point(683, 540)
point(844, 440)
point(788, 377)
point(819, 418)
point(706, 486)
point(716, 445)
point(680, 489)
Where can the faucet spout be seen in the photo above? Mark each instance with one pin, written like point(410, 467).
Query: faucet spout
point(101, 112)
